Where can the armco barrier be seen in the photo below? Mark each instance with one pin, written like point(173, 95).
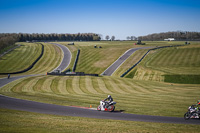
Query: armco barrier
point(72, 74)
point(76, 61)
point(31, 66)
point(145, 55)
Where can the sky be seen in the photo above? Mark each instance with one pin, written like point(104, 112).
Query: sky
point(119, 18)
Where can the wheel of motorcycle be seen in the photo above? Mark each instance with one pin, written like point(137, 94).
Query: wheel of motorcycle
point(111, 108)
point(187, 116)
point(99, 108)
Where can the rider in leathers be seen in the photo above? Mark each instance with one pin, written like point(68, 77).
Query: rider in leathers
point(110, 99)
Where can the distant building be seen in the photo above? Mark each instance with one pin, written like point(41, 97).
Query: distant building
point(169, 39)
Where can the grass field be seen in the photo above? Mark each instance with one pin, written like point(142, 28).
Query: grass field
point(20, 121)
point(133, 96)
point(141, 93)
point(96, 60)
point(22, 57)
point(184, 60)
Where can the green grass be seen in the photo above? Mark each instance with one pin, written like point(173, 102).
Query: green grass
point(133, 96)
point(181, 61)
point(7, 48)
point(133, 59)
point(183, 79)
point(131, 74)
point(96, 60)
point(21, 121)
point(23, 56)
point(138, 94)
point(177, 61)
point(20, 58)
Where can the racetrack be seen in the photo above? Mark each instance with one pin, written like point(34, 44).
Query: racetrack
point(66, 58)
point(111, 69)
point(31, 106)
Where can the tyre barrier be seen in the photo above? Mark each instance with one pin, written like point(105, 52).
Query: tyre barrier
point(145, 55)
point(76, 61)
point(31, 66)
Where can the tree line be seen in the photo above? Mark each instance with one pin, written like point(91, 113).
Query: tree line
point(59, 37)
point(177, 35)
point(7, 39)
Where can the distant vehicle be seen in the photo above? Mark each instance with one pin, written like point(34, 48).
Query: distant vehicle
point(103, 107)
point(169, 39)
point(72, 43)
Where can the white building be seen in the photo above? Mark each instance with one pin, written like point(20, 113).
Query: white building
point(169, 39)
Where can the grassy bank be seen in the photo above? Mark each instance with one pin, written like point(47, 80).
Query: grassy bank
point(20, 121)
point(132, 96)
point(182, 61)
point(20, 58)
point(23, 56)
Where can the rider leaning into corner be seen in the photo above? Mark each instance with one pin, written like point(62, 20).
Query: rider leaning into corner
point(108, 100)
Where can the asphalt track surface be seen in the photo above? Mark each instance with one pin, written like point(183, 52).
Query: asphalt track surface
point(66, 59)
point(110, 70)
point(31, 106)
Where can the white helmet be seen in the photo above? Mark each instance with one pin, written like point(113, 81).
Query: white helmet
point(109, 96)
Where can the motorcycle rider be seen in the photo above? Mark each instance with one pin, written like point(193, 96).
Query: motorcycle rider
point(110, 99)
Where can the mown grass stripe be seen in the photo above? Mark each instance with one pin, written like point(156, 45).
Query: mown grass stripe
point(129, 86)
point(31, 86)
point(115, 85)
point(102, 86)
point(18, 87)
point(75, 85)
point(83, 85)
point(69, 86)
point(89, 85)
point(62, 86)
point(46, 87)
point(9, 86)
point(123, 84)
point(54, 85)
point(96, 86)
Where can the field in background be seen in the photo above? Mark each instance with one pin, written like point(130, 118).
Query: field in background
point(184, 60)
point(25, 55)
point(96, 60)
point(20, 58)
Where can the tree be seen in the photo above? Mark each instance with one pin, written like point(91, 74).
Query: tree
point(133, 38)
point(128, 38)
point(113, 38)
point(107, 37)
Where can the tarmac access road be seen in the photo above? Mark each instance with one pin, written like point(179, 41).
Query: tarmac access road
point(111, 69)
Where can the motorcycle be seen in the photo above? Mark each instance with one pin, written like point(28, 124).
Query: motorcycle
point(192, 113)
point(106, 106)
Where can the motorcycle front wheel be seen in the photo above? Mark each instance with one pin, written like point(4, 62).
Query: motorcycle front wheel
point(187, 116)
